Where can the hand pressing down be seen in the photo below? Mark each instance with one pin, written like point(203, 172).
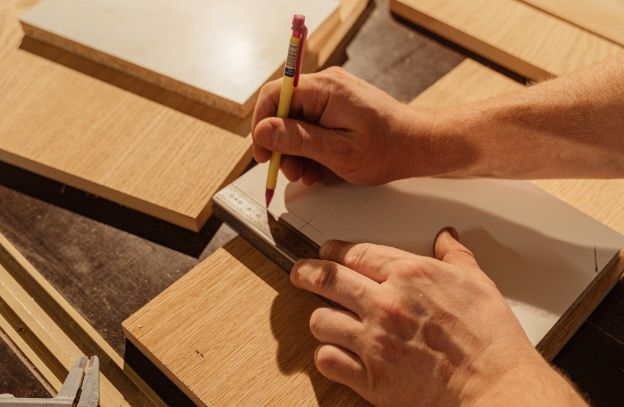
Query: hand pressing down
point(422, 331)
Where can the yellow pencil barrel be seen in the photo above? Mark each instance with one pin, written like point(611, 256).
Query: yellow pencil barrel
point(283, 106)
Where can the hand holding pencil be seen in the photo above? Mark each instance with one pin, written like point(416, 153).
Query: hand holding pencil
point(341, 124)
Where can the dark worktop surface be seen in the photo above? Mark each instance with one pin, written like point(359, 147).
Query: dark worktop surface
point(108, 261)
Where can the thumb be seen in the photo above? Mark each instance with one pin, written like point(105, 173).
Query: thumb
point(448, 249)
point(296, 138)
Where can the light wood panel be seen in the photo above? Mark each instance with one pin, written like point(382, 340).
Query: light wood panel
point(512, 34)
point(83, 132)
point(161, 154)
point(217, 52)
point(51, 334)
point(209, 311)
point(602, 17)
point(234, 330)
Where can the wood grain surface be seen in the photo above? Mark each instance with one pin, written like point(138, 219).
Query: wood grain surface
point(52, 335)
point(604, 18)
point(161, 154)
point(83, 132)
point(510, 33)
point(235, 329)
point(152, 328)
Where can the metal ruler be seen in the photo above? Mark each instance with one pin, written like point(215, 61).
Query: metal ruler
point(277, 240)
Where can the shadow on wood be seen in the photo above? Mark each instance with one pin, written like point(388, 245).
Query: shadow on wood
point(110, 213)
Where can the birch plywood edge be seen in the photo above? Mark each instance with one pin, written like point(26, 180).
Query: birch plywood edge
point(219, 53)
point(514, 35)
point(601, 17)
point(235, 330)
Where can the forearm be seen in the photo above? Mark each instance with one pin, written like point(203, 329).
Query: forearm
point(531, 384)
point(569, 127)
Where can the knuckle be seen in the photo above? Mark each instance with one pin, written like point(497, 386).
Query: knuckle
point(326, 276)
point(413, 270)
point(383, 347)
point(462, 252)
point(315, 321)
point(295, 272)
point(296, 139)
point(265, 89)
point(336, 71)
point(355, 255)
point(392, 311)
point(326, 361)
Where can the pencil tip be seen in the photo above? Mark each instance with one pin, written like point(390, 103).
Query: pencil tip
point(269, 196)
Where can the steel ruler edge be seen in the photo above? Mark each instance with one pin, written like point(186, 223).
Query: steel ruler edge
point(277, 240)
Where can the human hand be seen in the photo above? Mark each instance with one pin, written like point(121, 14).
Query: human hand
point(422, 331)
point(338, 122)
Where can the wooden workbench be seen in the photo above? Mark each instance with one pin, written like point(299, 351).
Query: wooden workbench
point(108, 261)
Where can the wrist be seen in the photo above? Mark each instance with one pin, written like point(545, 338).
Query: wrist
point(443, 142)
point(520, 378)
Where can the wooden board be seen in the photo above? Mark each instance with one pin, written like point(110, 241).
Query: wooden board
point(51, 334)
point(513, 228)
point(234, 329)
point(165, 159)
point(604, 18)
point(217, 52)
point(510, 33)
point(162, 316)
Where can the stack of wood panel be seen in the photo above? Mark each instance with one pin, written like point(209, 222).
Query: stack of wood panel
point(536, 39)
point(82, 103)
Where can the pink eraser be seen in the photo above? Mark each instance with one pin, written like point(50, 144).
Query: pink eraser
point(297, 22)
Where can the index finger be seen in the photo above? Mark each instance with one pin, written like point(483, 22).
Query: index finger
point(266, 105)
point(369, 259)
point(334, 282)
point(308, 100)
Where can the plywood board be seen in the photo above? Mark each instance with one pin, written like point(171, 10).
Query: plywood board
point(217, 52)
point(541, 253)
point(604, 18)
point(510, 33)
point(51, 334)
point(235, 331)
point(102, 139)
point(164, 158)
point(166, 316)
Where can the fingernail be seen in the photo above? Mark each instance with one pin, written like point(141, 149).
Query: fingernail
point(452, 231)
